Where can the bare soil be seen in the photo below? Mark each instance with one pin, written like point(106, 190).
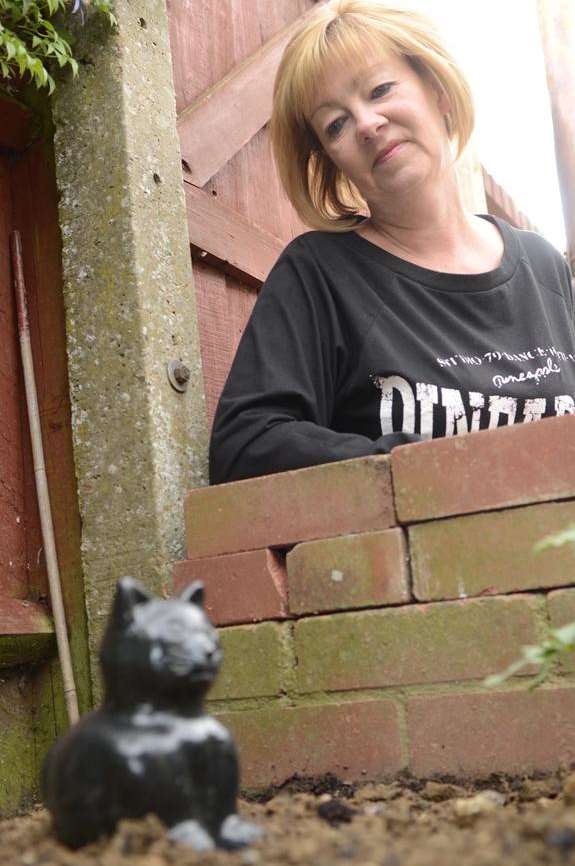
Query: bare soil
point(501, 822)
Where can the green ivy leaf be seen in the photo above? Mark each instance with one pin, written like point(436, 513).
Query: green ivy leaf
point(29, 38)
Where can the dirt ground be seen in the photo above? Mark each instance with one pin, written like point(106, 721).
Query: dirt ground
point(521, 822)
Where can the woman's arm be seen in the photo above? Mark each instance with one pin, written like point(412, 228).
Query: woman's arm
point(278, 401)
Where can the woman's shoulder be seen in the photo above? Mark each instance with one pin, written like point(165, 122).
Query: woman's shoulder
point(311, 243)
point(314, 266)
point(533, 243)
point(313, 254)
point(546, 262)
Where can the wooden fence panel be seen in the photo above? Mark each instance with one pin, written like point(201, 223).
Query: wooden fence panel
point(13, 572)
point(210, 42)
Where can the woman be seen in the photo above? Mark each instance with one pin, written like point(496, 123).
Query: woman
point(414, 321)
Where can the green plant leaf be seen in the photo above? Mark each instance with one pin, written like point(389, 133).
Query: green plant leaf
point(566, 636)
point(30, 37)
point(566, 536)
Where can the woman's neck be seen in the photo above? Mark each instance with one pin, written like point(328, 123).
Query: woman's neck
point(431, 228)
point(430, 219)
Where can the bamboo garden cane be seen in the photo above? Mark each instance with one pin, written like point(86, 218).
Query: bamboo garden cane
point(42, 482)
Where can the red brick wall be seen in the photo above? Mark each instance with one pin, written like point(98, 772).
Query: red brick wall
point(362, 603)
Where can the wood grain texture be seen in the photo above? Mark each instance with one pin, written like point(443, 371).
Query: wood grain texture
point(36, 217)
point(13, 571)
point(224, 306)
point(226, 239)
point(16, 125)
point(227, 115)
point(18, 616)
point(209, 38)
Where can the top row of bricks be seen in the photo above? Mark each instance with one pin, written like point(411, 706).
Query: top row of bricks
point(481, 471)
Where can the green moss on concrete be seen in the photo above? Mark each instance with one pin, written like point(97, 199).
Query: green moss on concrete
point(138, 444)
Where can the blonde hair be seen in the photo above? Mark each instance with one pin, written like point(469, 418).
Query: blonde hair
point(344, 30)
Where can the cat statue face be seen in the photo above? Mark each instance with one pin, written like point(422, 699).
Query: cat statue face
point(165, 650)
point(151, 747)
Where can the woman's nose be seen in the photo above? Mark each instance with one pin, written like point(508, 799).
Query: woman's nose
point(368, 121)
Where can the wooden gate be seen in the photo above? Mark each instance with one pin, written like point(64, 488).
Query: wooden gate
point(225, 54)
point(13, 575)
point(28, 202)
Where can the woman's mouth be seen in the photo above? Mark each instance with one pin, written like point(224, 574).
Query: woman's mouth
point(388, 153)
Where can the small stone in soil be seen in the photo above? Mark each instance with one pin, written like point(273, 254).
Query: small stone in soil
point(439, 791)
point(569, 789)
point(375, 809)
point(562, 838)
point(377, 792)
point(533, 789)
point(250, 857)
point(336, 812)
point(347, 852)
point(480, 804)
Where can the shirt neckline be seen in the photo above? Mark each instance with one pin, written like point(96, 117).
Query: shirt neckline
point(439, 279)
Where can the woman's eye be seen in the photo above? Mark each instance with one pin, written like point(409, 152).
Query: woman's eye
point(335, 127)
point(381, 89)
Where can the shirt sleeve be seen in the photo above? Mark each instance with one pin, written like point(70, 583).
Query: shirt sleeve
point(275, 409)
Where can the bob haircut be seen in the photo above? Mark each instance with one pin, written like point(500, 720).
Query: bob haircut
point(342, 31)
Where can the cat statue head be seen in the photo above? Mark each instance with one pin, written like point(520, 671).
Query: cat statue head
point(160, 651)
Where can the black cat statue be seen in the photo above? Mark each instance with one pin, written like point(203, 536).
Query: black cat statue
point(151, 748)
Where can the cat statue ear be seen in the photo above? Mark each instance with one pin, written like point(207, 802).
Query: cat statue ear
point(194, 593)
point(129, 593)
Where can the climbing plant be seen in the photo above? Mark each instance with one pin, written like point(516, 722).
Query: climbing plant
point(34, 38)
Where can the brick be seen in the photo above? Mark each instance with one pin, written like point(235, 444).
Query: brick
point(515, 465)
point(352, 571)
point(513, 732)
point(561, 607)
point(432, 643)
point(284, 509)
point(256, 662)
point(356, 740)
point(490, 552)
point(240, 587)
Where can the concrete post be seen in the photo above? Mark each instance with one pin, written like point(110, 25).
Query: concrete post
point(130, 307)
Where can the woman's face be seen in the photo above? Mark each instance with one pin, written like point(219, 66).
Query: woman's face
point(383, 126)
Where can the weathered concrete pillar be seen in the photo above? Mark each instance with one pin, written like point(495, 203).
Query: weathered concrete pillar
point(130, 307)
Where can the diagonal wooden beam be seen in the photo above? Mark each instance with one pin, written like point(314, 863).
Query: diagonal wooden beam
point(226, 239)
point(26, 632)
point(226, 116)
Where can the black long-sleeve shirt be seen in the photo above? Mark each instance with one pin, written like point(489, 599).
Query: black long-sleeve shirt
point(351, 350)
